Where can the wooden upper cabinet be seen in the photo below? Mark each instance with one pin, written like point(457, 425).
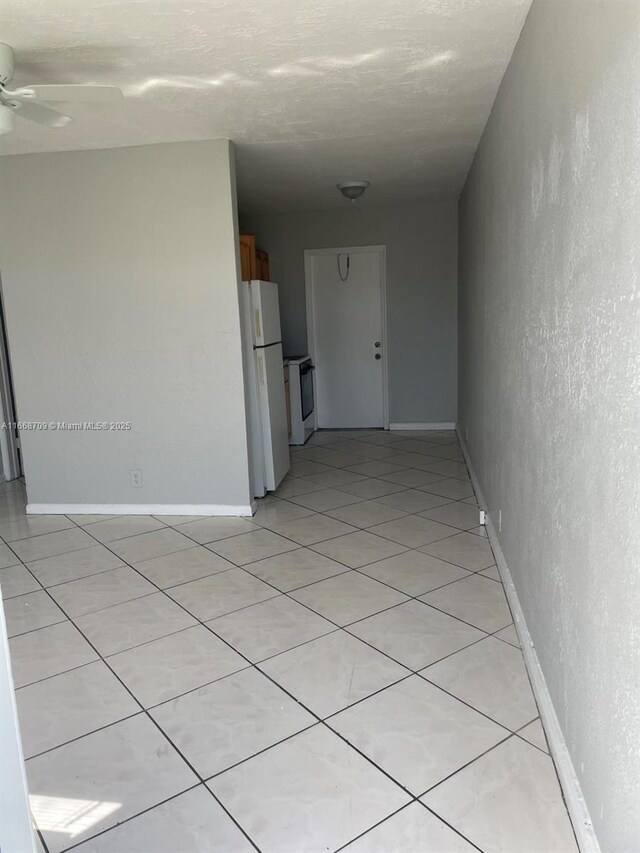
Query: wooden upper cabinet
point(253, 261)
point(248, 258)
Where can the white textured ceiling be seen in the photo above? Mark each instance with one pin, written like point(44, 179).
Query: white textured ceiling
point(313, 92)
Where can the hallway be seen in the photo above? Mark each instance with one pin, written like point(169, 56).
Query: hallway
point(339, 672)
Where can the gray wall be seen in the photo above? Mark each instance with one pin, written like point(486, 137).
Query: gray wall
point(120, 281)
point(421, 241)
point(550, 373)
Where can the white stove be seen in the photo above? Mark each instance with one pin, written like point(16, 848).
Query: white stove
point(301, 390)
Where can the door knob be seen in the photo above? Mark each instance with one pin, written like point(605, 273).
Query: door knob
point(378, 356)
point(377, 344)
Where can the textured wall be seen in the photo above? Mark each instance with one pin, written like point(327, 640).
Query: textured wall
point(120, 286)
point(421, 243)
point(550, 373)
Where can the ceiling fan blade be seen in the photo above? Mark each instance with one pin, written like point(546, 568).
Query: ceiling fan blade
point(40, 114)
point(71, 92)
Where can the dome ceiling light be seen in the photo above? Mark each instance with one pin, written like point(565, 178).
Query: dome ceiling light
point(353, 189)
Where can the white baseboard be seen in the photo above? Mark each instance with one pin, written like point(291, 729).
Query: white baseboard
point(140, 509)
point(574, 798)
point(445, 425)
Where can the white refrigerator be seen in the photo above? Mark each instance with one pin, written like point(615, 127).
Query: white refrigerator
point(264, 391)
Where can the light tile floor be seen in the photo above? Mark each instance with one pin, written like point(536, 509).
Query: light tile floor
point(340, 672)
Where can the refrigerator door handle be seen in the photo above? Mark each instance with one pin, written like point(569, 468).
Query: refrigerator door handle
point(260, 370)
point(258, 324)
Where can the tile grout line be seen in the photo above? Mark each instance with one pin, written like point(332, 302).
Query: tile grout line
point(256, 665)
point(157, 726)
point(512, 734)
point(133, 817)
point(348, 743)
point(300, 545)
point(402, 808)
point(277, 685)
point(77, 525)
point(280, 592)
point(243, 567)
point(507, 737)
point(150, 717)
point(106, 545)
point(419, 674)
point(153, 721)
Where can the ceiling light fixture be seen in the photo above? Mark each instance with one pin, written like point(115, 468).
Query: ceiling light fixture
point(353, 189)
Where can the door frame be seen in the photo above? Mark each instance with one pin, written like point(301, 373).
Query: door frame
point(11, 464)
point(309, 254)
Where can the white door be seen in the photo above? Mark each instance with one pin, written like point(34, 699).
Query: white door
point(346, 335)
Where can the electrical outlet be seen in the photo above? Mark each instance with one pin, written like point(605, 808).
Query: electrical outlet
point(499, 521)
point(483, 517)
point(135, 478)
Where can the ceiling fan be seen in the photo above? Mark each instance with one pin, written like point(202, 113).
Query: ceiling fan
point(26, 100)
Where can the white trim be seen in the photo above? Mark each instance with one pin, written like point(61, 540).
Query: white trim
point(576, 805)
point(311, 342)
point(140, 509)
point(409, 427)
